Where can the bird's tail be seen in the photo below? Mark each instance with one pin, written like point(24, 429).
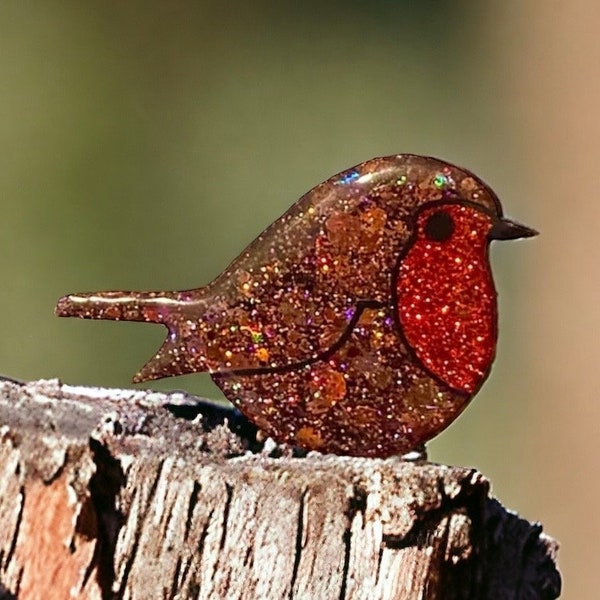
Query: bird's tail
point(149, 307)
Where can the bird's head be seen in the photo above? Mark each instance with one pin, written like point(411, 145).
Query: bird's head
point(443, 287)
point(444, 201)
point(425, 201)
point(452, 222)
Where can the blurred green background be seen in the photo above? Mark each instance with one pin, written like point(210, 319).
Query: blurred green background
point(145, 144)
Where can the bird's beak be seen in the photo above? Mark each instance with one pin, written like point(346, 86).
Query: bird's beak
point(505, 229)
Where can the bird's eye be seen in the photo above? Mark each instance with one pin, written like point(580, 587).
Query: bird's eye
point(439, 226)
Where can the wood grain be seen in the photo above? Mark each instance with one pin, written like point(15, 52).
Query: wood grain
point(107, 494)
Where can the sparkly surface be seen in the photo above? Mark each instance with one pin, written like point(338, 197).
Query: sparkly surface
point(446, 297)
point(360, 322)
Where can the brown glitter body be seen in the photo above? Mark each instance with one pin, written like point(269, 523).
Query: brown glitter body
point(360, 322)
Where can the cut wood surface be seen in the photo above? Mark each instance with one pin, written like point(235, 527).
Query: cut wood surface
point(110, 493)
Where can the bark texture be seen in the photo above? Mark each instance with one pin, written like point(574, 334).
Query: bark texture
point(136, 494)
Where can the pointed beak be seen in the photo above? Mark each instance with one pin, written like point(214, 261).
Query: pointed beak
point(505, 229)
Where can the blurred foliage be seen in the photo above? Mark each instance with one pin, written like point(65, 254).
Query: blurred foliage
point(146, 143)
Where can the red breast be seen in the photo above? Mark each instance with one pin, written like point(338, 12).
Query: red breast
point(446, 299)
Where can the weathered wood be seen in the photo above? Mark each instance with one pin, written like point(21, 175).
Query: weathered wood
point(106, 494)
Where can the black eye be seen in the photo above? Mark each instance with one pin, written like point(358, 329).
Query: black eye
point(439, 226)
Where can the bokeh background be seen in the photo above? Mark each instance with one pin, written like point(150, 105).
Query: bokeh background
point(144, 144)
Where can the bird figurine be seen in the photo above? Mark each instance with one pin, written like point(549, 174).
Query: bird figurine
point(361, 322)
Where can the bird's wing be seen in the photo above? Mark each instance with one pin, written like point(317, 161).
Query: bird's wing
point(295, 293)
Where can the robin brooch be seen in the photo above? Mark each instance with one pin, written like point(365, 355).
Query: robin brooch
point(361, 322)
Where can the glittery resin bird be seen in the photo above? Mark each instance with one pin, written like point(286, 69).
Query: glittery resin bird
point(361, 322)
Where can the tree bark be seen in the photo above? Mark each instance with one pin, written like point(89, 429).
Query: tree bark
point(137, 494)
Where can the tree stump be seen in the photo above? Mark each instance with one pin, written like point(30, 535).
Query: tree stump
point(110, 493)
